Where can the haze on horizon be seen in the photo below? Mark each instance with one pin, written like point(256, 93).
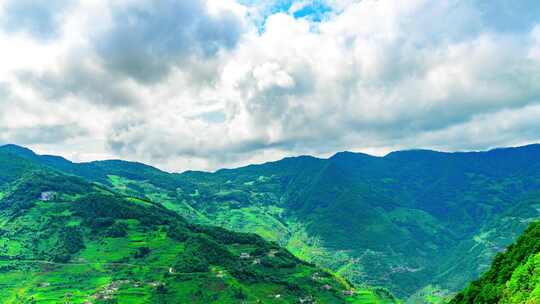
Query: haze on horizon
point(205, 84)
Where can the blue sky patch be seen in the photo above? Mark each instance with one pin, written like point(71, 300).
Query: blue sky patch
point(314, 10)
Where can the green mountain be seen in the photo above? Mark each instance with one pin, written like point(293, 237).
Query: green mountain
point(514, 276)
point(406, 221)
point(64, 239)
point(421, 223)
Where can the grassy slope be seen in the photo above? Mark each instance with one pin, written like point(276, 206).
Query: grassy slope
point(90, 245)
point(514, 276)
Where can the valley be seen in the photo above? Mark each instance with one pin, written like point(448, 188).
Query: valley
point(66, 240)
point(416, 224)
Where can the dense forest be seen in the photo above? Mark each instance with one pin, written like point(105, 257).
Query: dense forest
point(514, 276)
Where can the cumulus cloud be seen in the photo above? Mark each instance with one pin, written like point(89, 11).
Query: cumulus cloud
point(373, 71)
point(202, 84)
point(79, 78)
point(55, 134)
point(41, 19)
point(148, 38)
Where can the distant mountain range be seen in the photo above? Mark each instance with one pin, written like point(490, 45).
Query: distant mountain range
point(420, 223)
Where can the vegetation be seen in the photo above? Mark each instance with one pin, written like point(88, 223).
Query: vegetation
point(420, 223)
point(514, 276)
point(84, 243)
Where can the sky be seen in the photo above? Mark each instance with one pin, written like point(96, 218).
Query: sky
point(206, 84)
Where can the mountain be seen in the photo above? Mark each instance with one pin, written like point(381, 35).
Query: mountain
point(65, 239)
point(514, 276)
point(421, 223)
point(400, 221)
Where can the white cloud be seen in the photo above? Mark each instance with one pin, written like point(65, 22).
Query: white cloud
point(213, 90)
point(534, 52)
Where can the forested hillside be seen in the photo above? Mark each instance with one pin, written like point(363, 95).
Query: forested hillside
point(514, 276)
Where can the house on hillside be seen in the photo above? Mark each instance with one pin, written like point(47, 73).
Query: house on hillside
point(326, 287)
point(348, 292)
point(306, 300)
point(47, 196)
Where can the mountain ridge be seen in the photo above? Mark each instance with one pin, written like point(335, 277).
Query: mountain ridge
point(533, 147)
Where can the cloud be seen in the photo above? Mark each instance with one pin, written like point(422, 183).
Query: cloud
point(55, 134)
point(149, 38)
point(488, 130)
point(213, 117)
point(4, 91)
point(509, 16)
point(40, 19)
point(369, 71)
point(202, 84)
point(135, 45)
point(80, 78)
